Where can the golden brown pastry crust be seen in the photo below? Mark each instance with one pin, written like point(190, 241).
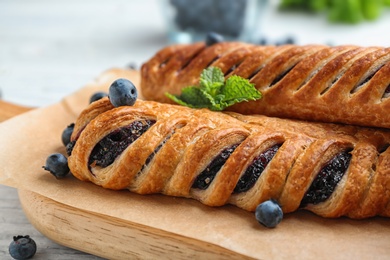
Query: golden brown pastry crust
point(344, 84)
point(184, 141)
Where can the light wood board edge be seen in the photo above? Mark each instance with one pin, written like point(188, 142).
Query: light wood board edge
point(8, 110)
point(110, 237)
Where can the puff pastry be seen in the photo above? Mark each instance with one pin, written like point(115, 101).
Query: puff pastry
point(343, 84)
point(228, 158)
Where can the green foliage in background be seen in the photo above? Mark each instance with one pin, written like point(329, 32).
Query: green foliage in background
point(340, 11)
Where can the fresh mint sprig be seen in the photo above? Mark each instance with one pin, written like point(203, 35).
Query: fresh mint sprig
point(215, 93)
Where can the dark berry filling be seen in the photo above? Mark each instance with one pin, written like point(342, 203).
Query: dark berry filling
point(253, 172)
point(383, 148)
point(231, 69)
point(387, 91)
point(254, 73)
point(111, 146)
point(368, 78)
point(206, 177)
point(281, 76)
point(386, 94)
point(164, 63)
point(327, 179)
point(151, 156)
point(190, 59)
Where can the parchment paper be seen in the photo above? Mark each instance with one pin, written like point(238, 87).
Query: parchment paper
point(27, 140)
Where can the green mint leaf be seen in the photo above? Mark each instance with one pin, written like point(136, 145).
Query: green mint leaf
point(191, 97)
point(216, 94)
point(215, 104)
point(211, 80)
point(238, 89)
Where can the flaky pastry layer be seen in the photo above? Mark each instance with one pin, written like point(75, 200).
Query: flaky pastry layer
point(228, 158)
point(343, 84)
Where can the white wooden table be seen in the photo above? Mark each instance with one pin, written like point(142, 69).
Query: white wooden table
point(49, 49)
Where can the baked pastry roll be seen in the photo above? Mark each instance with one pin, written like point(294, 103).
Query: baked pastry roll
point(223, 158)
point(344, 84)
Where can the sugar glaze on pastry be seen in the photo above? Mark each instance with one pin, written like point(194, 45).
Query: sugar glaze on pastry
point(228, 158)
point(343, 84)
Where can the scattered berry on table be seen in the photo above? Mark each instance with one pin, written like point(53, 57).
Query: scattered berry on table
point(65, 137)
point(22, 247)
point(122, 92)
point(269, 213)
point(96, 96)
point(57, 164)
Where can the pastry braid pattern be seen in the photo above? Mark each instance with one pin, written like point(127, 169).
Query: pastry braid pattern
point(228, 158)
point(344, 84)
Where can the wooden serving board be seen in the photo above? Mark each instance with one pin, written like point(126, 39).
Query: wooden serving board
point(8, 110)
point(302, 235)
point(112, 238)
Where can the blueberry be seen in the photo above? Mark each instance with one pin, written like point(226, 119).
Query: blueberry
point(263, 41)
point(289, 40)
point(269, 213)
point(122, 92)
point(65, 137)
point(213, 38)
point(96, 96)
point(22, 247)
point(57, 164)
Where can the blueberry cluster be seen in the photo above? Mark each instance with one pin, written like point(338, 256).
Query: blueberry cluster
point(122, 92)
point(225, 17)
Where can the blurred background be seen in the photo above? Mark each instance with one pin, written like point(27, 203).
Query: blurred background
point(49, 49)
